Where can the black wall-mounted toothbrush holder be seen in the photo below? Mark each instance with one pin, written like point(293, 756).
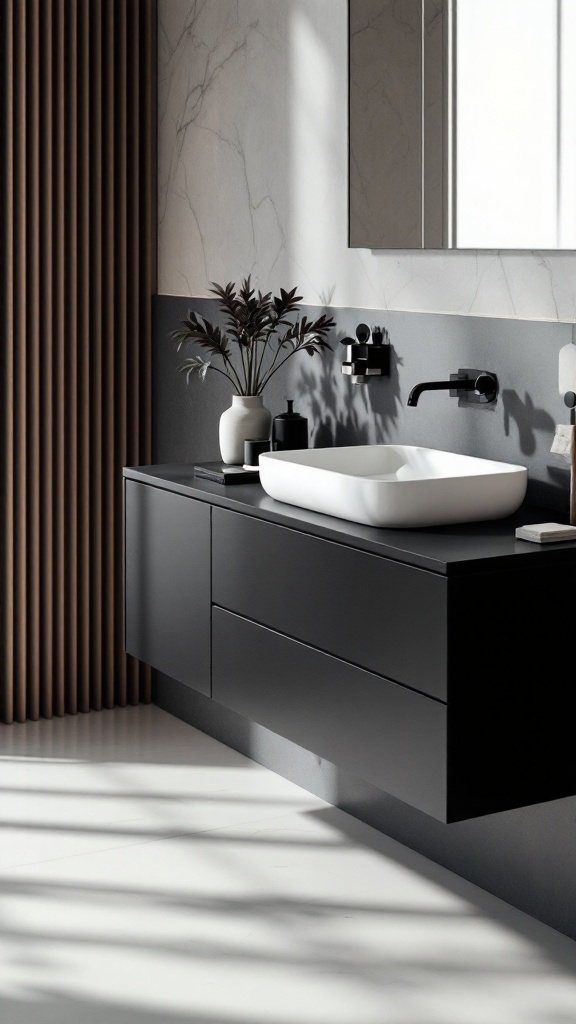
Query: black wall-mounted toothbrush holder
point(368, 356)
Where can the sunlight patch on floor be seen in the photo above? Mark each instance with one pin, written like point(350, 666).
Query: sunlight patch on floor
point(137, 887)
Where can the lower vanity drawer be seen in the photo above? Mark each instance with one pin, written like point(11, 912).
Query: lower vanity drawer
point(375, 729)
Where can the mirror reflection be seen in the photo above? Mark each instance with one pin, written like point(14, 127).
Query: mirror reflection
point(462, 128)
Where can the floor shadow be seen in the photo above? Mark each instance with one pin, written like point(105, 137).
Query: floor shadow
point(191, 796)
point(559, 948)
point(130, 734)
point(296, 913)
point(191, 835)
point(259, 906)
point(317, 955)
point(45, 1006)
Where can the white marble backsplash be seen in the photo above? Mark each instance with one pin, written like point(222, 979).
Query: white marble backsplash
point(253, 174)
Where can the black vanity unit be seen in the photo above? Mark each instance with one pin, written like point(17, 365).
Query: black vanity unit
point(410, 658)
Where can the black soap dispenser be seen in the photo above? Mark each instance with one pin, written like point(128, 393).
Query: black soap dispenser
point(289, 430)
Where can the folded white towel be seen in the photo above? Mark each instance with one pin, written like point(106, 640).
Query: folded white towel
point(545, 533)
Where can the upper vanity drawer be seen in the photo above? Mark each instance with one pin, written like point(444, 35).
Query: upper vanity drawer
point(374, 612)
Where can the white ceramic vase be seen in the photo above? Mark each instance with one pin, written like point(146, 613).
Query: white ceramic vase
point(247, 418)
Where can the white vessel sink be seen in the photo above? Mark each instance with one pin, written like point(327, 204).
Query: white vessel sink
point(394, 485)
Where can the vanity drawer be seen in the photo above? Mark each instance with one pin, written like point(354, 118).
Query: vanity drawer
point(377, 730)
point(378, 614)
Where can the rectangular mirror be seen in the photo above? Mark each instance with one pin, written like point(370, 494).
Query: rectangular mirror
point(462, 124)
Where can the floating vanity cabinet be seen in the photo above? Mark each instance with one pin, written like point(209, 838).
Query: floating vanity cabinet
point(404, 657)
point(168, 583)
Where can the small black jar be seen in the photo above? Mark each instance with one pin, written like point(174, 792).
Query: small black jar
point(289, 430)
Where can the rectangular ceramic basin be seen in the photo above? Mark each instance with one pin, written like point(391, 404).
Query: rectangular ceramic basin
point(394, 485)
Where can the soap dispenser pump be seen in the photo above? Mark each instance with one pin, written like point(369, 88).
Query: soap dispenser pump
point(289, 430)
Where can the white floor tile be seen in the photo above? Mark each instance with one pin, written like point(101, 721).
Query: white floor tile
point(51, 806)
point(242, 899)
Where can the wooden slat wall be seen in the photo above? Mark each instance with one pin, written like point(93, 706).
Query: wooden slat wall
point(77, 273)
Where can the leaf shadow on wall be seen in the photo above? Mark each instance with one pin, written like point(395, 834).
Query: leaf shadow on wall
point(341, 413)
point(528, 418)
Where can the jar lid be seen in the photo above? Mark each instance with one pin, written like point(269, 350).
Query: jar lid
point(290, 414)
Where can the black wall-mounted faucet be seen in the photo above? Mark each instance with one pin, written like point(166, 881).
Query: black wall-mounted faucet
point(478, 386)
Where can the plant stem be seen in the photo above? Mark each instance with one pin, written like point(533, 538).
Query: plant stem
point(263, 353)
point(270, 369)
point(251, 366)
point(223, 372)
point(248, 388)
point(244, 367)
point(228, 361)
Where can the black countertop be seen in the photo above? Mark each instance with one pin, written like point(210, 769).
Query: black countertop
point(450, 550)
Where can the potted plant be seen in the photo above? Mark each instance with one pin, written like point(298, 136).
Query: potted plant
point(260, 335)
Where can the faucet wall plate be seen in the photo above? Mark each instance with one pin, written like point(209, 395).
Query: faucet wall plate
point(470, 397)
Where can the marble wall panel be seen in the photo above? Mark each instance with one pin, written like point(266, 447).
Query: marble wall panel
point(253, 160)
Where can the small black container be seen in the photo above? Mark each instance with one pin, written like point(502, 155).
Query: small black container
point(252, 450)
point(289, 430)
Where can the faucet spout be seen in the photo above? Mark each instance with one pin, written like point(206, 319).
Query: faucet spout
point(482, 383)
point(439, 385)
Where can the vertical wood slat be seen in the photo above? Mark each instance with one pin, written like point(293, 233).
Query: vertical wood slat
point(95, 342)
point(83, 348)
point(7, 615)
point(133, 310)
point(111, 108)
point(77, 234)
point(59, 440)
point(46, 363)
point(71, 362)
point(33, 342)
point(122, 303)
point(19, 398)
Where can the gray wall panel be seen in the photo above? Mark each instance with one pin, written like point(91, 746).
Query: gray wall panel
point(426, 346)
